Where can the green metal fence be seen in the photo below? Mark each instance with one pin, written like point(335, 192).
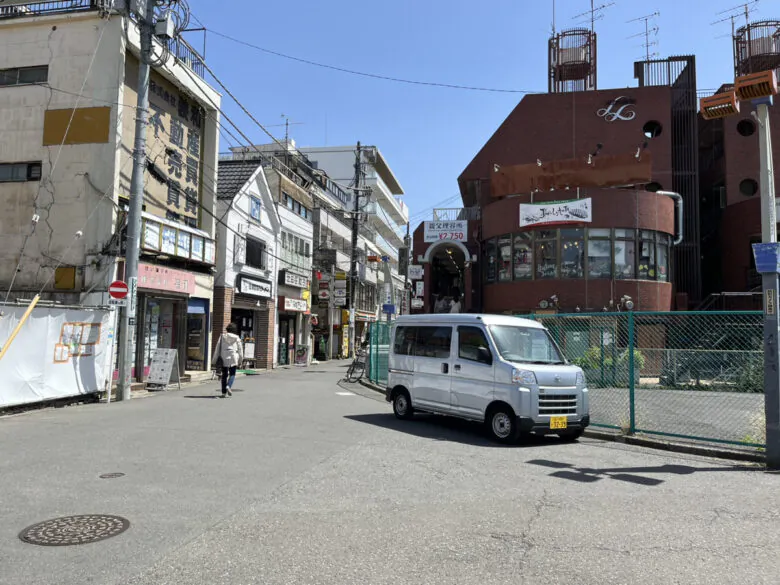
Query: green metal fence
point(688, 375)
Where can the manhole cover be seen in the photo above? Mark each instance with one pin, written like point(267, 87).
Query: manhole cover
point(74, 530)
point(111, 475)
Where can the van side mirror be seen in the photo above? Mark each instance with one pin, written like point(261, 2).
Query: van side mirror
point(485, 357)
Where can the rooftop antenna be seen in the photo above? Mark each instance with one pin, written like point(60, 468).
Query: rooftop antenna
point(595, 13)
point(647, 33)
point(553, 20)
point(731, 15)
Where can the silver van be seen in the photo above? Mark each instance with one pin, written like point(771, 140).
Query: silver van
point(503, 371)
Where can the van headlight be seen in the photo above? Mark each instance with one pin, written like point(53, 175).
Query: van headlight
point(523, 377)
point(581, 382)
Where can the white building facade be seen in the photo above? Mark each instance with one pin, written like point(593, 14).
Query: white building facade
point(67, 101)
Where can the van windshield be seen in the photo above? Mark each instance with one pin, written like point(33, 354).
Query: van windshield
point(525, 344)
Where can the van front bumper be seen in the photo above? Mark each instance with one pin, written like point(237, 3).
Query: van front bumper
point(529, 425)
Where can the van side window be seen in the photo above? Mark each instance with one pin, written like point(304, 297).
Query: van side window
point(470, 340)
point(433, 342)
point(404, 340)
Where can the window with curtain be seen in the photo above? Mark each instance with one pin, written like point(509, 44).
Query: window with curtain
point(524, 256)
point(646, 264)
point(572, 253)
point(625, 254)
point(547, 254)
point(599, 253)
point(505, 258)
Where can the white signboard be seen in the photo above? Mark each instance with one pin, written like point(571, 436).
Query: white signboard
point(415, 272)
point(557, 212)
point(162, 368)
point(450, 231)
point(340, 302)
point(340, 293)
point(255, 288)
point(58, 353)
point(417, 303)
point(297, 305)
point(419, 289)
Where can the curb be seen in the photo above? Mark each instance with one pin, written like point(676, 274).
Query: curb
point(650, 443)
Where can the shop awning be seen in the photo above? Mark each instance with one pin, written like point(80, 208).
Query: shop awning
point(197, 306)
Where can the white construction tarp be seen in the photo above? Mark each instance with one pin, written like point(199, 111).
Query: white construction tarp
point(58, 353)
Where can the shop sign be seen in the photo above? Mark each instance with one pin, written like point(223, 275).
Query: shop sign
point(324, 295)
point(255, 288)
point(341, 276)
point(419, 288)
point(165, 279)
point(296, 305)
point(446, 231)
point(295, 280)
point(417, 303)
point(556, 212)
point(416, 272)
point(340, 302)
point(340, 293)
point(324, 285)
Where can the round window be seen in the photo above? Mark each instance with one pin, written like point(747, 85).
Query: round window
point(652, 129)
point(746, 127)
point(748, 187)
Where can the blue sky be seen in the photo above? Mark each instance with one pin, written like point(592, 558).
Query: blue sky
point(429, 134)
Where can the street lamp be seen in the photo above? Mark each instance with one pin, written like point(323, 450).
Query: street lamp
point(760, 89)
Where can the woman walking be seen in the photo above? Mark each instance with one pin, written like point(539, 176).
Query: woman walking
point(230, 352)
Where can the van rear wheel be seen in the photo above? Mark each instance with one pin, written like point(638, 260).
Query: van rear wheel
point(402, 405)
point(502, 425)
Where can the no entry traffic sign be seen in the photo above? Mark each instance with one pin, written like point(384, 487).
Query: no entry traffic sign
point(118, 290)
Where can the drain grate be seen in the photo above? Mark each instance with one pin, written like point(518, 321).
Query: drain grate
point(111, 475)
point(70, 530)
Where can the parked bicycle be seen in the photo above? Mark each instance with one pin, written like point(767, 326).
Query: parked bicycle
point(358, 366)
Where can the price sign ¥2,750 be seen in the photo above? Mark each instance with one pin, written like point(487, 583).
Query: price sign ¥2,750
point(451, 231)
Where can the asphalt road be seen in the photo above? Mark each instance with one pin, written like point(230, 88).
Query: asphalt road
point(298, 481)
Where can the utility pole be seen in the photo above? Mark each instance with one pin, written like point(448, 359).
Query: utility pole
point(407, 250)
point(353, 276)
point(126, 345)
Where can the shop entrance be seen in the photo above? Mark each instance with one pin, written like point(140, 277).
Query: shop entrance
point(447, 279)
point(286, 339)
point(164, 327)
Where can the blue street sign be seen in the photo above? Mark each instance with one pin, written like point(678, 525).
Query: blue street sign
point(767, 257)
point(388, 309)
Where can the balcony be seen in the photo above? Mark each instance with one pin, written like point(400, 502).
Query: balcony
point(52, 7)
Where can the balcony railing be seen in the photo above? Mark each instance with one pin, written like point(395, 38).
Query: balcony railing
point(51, 7)
point(457, 214)
point(184, 53)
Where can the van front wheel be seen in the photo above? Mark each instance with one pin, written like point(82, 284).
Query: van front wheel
point(502, 425)
point(402, 405)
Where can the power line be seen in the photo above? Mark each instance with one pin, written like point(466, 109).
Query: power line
point(363, 73)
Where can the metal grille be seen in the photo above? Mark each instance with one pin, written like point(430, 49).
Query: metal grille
point(553, 404)
point(679, 73)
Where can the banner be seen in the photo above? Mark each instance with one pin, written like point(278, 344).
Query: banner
point(556, 212)
point(58, 353)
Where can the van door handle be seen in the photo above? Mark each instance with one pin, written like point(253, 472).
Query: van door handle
point(445, 368)
point(457, 368)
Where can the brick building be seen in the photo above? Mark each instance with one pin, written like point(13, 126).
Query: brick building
point(598, 241)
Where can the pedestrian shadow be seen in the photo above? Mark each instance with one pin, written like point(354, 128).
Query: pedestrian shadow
point(206, 397)
point(629, 474)
point(444, 428)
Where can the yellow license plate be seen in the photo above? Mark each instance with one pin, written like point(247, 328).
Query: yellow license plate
point(558, 422)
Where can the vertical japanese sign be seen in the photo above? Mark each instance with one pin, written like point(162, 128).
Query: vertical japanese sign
point(174, 145)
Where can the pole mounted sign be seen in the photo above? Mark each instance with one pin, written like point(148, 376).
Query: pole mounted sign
point(118, 291)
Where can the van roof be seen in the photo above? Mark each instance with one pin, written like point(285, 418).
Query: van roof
point(465, 318)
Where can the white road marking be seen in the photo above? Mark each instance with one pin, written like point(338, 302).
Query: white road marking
point(345, 393)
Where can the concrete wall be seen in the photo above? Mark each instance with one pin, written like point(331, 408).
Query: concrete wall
point(71, 191)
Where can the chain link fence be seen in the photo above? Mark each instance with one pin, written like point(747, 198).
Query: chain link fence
point(689, 375)
point(697, 376)
point(378, 353)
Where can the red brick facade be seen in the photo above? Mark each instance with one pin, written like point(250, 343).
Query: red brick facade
point(264, 324)
point(223, 305)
